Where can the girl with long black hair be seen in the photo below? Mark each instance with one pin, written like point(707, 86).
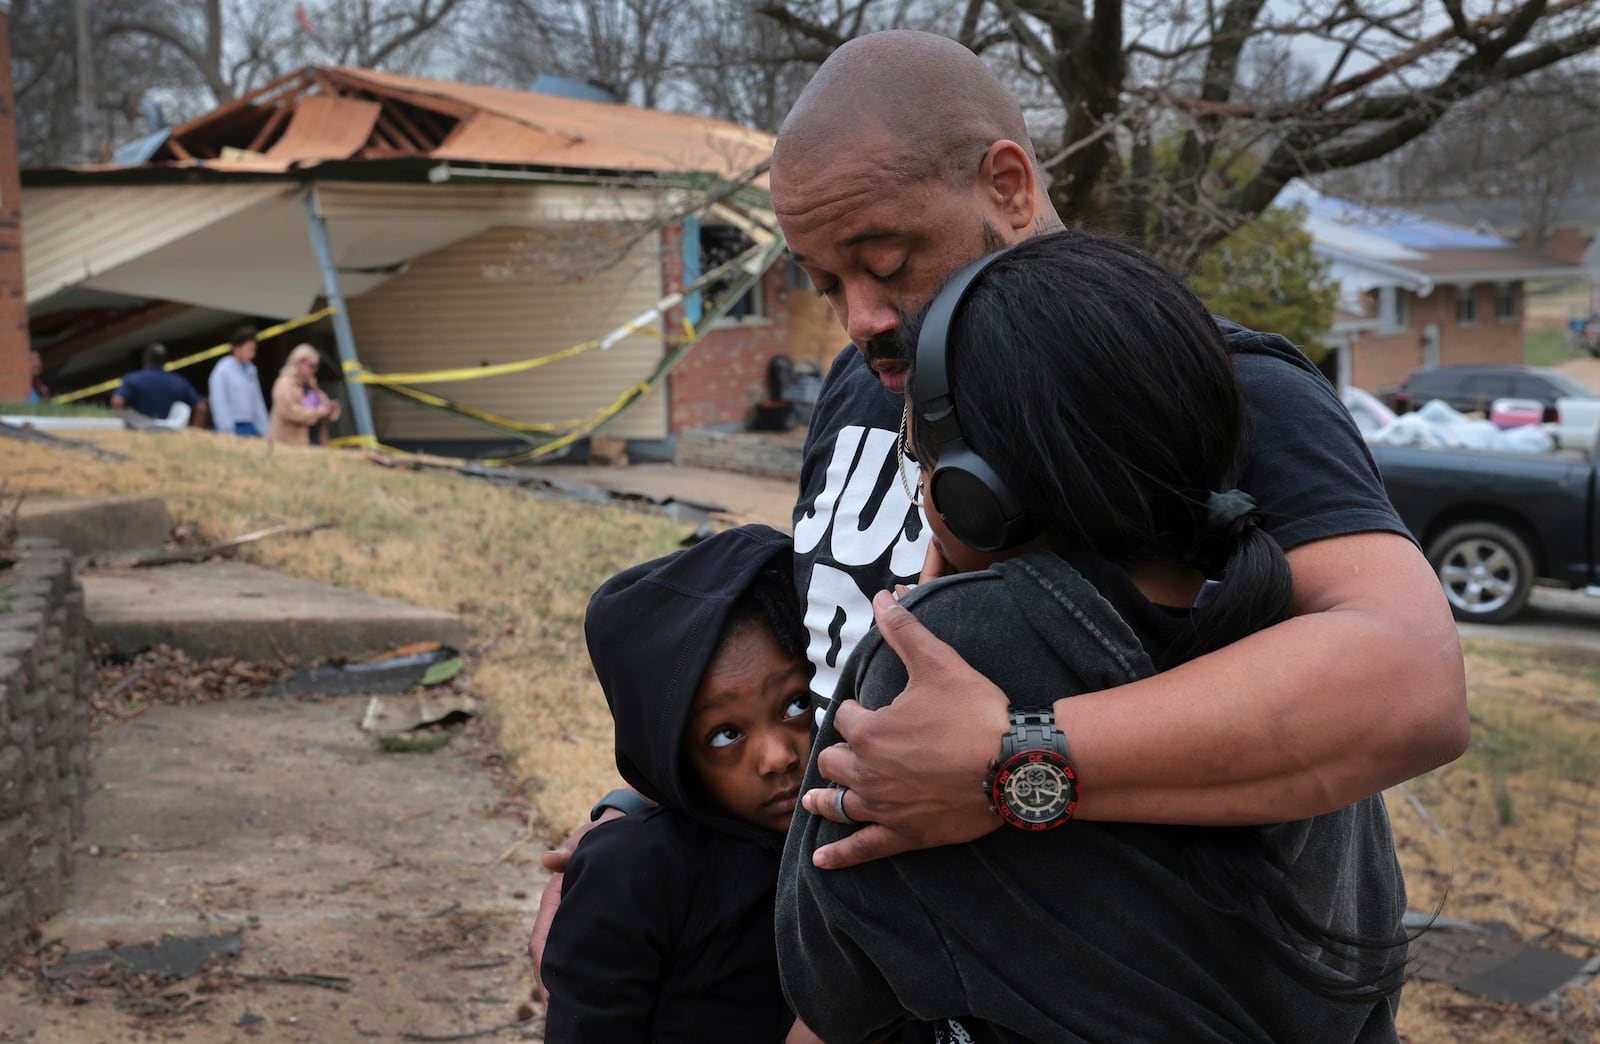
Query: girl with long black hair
point(1077, 432)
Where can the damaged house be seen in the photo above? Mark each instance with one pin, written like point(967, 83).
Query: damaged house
point(535, 237)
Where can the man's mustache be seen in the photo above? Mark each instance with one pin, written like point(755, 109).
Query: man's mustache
point(881, 348)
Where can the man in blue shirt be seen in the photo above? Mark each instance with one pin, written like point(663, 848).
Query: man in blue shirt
point(237, 406)
point(152, 391)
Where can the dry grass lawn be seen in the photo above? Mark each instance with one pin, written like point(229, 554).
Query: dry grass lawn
point(1514, 828)
point(517, 567)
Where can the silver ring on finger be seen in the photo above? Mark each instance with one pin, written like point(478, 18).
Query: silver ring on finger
point(838, 805)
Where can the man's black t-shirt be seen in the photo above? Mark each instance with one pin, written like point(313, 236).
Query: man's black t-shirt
point(856, 533)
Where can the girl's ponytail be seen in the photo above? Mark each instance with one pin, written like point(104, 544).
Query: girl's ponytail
point(1248, 581)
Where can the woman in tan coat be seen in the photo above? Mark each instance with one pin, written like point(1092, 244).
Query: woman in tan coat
point(298, 404)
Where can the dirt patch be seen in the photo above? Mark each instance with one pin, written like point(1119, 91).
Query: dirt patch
point(372, 894)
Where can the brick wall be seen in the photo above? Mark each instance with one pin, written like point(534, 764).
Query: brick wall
point(13, 300)
point(725, 375)
point(1378, 360)
point(1567, 243)
point(45, 684)
point(751, 453)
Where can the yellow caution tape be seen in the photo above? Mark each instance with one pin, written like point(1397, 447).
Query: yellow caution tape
point(357, 372)
point(197, 357)
point(577, 428)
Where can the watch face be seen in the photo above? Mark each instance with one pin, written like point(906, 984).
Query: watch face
point(1036, 789)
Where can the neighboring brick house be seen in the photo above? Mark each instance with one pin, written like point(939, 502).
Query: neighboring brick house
point(1416, 291)
point(14, 372)
point(466, 227)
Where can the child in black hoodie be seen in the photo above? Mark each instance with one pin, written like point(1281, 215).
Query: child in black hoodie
point(665, 930)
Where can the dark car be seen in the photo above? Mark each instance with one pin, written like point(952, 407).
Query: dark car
point(1471, 389)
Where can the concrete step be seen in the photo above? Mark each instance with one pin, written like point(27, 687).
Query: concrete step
point(230, 609)
point(84, 525)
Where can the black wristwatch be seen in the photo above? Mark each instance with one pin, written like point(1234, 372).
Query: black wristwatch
point(1033, 785)
point(623, 800)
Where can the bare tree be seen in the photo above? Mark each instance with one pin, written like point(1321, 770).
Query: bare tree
point(1517, 153)
point(193, 55)
point(742, 66)
point(1177, 122)
point(630, 48)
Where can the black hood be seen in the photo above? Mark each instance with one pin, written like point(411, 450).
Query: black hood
point(651, 631)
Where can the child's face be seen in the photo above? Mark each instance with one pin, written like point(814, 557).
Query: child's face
point(749, 730)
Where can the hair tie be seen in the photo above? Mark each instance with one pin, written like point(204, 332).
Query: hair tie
point(1231, 513)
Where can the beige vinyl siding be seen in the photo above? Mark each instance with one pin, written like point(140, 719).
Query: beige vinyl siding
point(450, 310)
point(73, 234)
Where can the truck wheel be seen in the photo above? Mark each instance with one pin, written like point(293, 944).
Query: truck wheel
point(1486, 569)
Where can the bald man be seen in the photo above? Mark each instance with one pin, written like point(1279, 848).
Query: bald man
point(905, 158)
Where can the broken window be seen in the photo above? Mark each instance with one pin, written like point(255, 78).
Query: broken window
point(720, 244)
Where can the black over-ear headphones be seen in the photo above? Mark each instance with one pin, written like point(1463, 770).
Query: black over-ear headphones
point(976, 506)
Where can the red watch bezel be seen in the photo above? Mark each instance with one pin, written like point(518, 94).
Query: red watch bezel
point(1002, 774)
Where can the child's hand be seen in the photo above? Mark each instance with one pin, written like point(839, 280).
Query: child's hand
point(800, 1035)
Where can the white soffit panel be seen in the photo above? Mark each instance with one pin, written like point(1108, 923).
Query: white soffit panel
point(260, 262)
point(71, 235)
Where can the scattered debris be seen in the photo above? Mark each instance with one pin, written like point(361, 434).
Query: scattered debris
point(327, 982)
point(201, 554)
point(174, 957)
point(1416, 807)
point(170, 977)
point(28, 434)
point(423, 743)
point(394, 672)
point(542, 486)
point(127, 687)
point(442, 671)
point(1490, 961)
point(488, 1031)
point(390, 715)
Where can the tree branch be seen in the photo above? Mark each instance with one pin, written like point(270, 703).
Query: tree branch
point(795, 24)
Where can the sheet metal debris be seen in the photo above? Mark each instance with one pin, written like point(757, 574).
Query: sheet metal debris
point(174, 957)
point(1491, 961)
point(390, 715)
point(394, 672)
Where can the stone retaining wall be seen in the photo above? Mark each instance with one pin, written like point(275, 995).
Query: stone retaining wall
point(46, 681)
point(753, 453)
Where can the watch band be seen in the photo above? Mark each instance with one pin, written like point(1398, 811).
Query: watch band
point(1033, 728)
point(623, 800)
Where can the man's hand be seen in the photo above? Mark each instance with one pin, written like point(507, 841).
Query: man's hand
point(555, 861)
point(914, 770)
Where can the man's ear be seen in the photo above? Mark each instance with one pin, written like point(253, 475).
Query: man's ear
point(1007, 179)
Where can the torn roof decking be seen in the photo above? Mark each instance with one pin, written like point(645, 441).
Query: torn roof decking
point(332, 113)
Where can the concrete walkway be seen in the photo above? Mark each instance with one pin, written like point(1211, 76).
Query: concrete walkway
point(84, 525)
point(220, 608)
point(281, 822)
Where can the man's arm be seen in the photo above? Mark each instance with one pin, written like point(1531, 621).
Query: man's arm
point(1362, 689)
point(222, 412)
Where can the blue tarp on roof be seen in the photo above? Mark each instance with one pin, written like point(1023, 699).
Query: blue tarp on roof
point(565, 87)
point(139, 150)
point(1398, 226)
